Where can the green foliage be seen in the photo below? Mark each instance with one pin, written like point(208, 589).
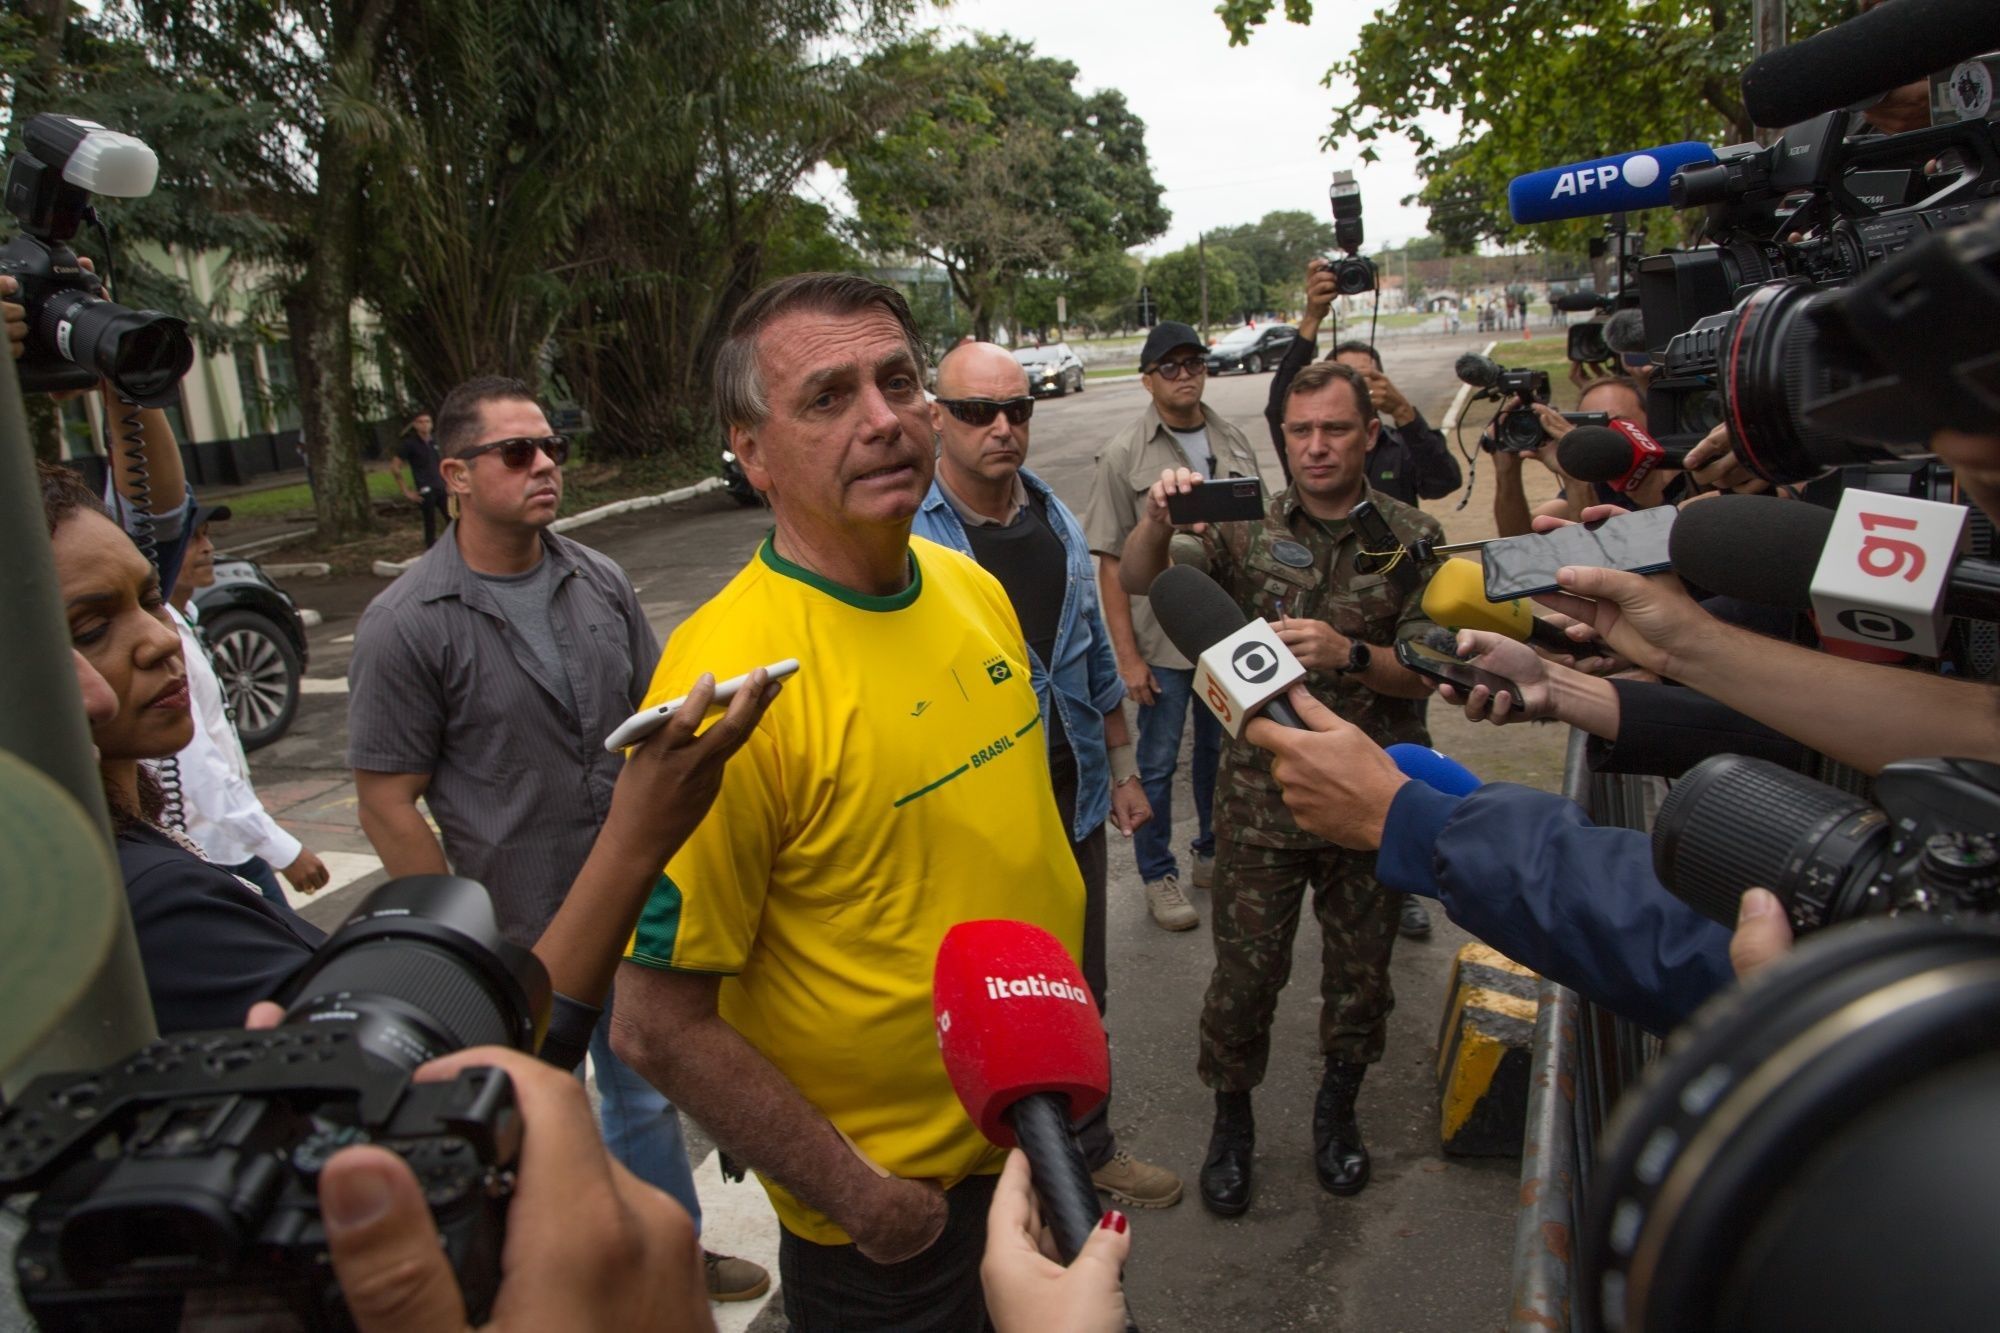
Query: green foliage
point(1534, 83)
point(1280, 244)
point(997, 169)
point(1175, 280)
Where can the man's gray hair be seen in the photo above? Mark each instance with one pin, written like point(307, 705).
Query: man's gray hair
point(739, 381)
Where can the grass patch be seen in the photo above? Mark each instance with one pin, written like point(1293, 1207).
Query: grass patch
point(1549, 354)
point(1102, 372)
point(295, 501)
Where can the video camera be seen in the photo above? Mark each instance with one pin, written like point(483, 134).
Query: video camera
point(75, 336)
point(184, 1176)
point(1517, 430)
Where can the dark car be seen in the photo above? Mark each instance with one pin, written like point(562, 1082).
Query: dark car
point(1052, 370)
point(1251, 350)
point(258, 641)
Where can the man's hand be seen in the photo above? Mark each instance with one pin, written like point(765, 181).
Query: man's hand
point(1713, 462)
point(1320, 289)
point(1335, 781)
point(588, 1245)
point(307, 873)
point(1555, 425)
point(903, 1219)
point(1512, 659)
point(16, 315)
point(1129, 806)
point(1388, 399)
point(1763, 933)
point(1173, 481)
point(1317, 645)
point(1140, 686)
point(1642, 618)
point(1027, 1291)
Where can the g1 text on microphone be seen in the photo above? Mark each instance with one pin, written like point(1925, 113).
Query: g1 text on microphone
point(1868, 55)
point(1622, 183)
point(1024, 1047)
point(1241, 665)
point(1620, 455)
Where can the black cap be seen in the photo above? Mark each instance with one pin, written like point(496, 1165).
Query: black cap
point(1167, 336)
point(211, 513)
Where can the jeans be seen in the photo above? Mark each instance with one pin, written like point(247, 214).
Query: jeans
point(1159, 754)
point(641, 1127)
point(837, 1288)
point(258, 871)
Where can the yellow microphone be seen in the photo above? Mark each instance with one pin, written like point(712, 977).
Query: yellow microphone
point(1456, 599)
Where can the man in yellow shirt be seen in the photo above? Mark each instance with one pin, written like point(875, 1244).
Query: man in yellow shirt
point(778, 984)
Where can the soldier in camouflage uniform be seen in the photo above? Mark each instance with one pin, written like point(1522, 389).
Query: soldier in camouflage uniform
point(1297, 569)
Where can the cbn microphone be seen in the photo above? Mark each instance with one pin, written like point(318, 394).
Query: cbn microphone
point(1882, 570)
point(1620, 455)
point(1481, 372)
point(1241, 666)
point(1893, 44)
point(1025, 1049)
point(1434, 769)
point(1456, 598)
point(1623, 183)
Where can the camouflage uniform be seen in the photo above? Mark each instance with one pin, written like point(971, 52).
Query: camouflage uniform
point(1295, 565)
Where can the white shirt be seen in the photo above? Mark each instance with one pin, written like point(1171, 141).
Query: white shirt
point(224, 816)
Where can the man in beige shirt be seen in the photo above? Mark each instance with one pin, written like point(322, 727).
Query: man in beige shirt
point(1176, 430)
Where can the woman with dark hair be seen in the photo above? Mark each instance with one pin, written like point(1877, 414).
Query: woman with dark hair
point(210, 943)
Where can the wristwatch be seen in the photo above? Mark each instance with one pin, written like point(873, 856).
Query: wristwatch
point(1357, 658)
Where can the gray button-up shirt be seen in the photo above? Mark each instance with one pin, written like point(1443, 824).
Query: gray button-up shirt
point(440, 683)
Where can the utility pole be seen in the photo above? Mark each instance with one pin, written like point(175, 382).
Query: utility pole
point(1201, 255)
point(1768, 26)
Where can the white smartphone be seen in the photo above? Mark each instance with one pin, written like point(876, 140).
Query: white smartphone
point(644, 723)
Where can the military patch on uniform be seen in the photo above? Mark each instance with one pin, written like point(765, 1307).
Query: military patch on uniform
point(1291, 554)
point(997, 670)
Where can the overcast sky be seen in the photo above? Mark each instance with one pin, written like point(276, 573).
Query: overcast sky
point(1233, 132)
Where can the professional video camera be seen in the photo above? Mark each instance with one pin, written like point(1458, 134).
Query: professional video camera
point(75, 336)
point(184, 1176)
point(1519, 430)
point(1352, 275)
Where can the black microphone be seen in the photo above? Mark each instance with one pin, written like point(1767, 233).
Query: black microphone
point(1575, 302)
point(1481, 372)
point(1625, 331)
point(1765, 550)
point(1618, 456)
point(1197, 614)
point(1891, 45)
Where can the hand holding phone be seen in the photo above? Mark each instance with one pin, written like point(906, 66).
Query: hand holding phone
point(1222, 500)
point(1635, 543)
point(1448, 668)
point(649, 720)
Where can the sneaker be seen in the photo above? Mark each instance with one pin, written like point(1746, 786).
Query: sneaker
point(1204, 870)
point(1169, 905)
point(1416, 922)
point(1137, 1184)
point(731, 1279)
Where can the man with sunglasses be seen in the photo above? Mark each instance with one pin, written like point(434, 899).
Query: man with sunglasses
point(483, 682)
point(984, 502)
point(1175, 430)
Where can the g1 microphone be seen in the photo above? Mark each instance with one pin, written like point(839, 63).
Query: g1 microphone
point(1891, 45)
point(1024, 1046)
point(1241, 666)
point(1456, 598)
point(1481, 372)
point(1882, 570)
point(1620, 455)
point(1434, 769)
point(1624, 183)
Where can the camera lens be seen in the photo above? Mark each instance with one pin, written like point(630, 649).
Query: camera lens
point(1353, 276)
point(1771, 371)
point(1734, 823)
point(1521, 431)
point(142, 352)
point(421, 970)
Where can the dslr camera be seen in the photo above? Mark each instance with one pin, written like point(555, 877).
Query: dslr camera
point(1352, 275)
point(182, 1181)
point(75, 336)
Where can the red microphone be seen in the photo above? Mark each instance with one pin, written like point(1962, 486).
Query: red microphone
point(1024, 1047)
point(1620, 455)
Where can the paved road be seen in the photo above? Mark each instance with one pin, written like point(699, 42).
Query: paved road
point(1425, 1248)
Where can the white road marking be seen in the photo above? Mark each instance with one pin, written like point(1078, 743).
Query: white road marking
point(316, 685)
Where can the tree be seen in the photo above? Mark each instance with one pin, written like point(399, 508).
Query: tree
point(1535, 87)
point(998, 169)
point(1175, 279)
point(1282, 242)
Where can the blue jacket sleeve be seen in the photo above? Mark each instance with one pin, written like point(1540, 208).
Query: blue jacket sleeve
point(1527, 873)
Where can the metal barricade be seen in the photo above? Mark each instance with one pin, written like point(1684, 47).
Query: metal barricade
point(1584, 1058)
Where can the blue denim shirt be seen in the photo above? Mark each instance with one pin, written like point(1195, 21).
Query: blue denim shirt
point(1082, 682)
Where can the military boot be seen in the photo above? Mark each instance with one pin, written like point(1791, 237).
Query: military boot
point(1225, 1175)
point(1339, 1157)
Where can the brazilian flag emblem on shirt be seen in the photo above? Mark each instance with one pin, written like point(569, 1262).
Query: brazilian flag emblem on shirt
point(998, 671)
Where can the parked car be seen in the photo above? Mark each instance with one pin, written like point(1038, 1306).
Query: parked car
point(1051, 370)
point(1251, 350)
point(258, 641)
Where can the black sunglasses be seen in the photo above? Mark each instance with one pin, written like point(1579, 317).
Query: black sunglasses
point(517, 453)
point(1173, 370)
point(981, 411)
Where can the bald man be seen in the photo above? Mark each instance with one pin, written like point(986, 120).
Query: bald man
point(984, 502)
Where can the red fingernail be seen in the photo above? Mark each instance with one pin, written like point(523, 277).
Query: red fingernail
point(1118, 1222)
point(1105, 1223)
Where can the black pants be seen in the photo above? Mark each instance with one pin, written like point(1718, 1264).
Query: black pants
point(1093, 1132)
point(436, 511)
point(834, 1287)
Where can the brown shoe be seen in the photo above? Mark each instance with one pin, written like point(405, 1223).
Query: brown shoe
point(1137, 1184)
point(731, 1279)
point(1204, 870)
point(1169, 906)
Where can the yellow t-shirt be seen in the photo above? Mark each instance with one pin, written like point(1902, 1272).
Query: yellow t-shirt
point(899, 786)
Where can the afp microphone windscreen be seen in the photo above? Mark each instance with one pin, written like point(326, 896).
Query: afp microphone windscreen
point(1625, 182)
point(1015, 1018)
point(1893, 44)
